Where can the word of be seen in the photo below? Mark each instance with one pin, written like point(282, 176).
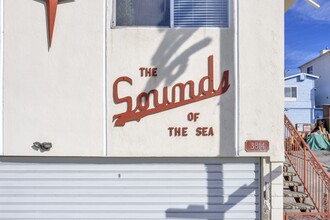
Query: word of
point(193, 116)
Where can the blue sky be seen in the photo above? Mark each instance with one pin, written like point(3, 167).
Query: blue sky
point(307, 31)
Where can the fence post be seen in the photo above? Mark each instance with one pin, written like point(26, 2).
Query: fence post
point(305, 168)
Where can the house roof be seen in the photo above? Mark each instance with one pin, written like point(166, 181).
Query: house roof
point(328, 52)
point(288, 4)
point(299, 74)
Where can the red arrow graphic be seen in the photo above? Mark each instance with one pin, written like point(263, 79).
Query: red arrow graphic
point(51, 13)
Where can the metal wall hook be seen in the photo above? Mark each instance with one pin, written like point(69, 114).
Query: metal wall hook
point(36, 145)
point(45, 146)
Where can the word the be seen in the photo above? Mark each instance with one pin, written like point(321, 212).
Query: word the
point(148, 72)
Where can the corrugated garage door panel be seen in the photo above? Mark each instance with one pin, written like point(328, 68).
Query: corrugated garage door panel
point(209, 191)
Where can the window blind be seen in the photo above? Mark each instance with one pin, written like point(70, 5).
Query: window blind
point(201, 13)
point(290, 92)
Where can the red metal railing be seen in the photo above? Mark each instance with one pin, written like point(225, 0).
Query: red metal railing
point(314, 177)
point(306, 216)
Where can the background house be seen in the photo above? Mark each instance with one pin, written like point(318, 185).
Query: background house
point(320, 66)
point(300, 98)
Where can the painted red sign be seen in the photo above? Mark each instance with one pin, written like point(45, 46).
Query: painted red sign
point(51, 6)
point(178, 96)
point(51, 14)
point(257, 146)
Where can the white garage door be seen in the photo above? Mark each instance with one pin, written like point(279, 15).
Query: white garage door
point(51, 188)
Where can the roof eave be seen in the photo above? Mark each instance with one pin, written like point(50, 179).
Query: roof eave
point(328, 52)
point(306, 74)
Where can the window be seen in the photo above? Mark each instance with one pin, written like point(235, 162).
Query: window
point(200, 13)
point(185, 13)
point(290, 93)
point(143, 13)
point(310, 70)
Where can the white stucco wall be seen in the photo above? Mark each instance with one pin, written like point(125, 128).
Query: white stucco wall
point(261, 74)
point(57, 95)
point(1, 73)
point(180, 55)
point(260, 97)
point(53, 95)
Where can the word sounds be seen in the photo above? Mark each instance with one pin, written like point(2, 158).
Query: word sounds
point(143, 108)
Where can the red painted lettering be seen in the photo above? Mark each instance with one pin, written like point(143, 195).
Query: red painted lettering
point(178, 131)
point(143, 107)
point(185, 131)
point(204, 131)
point(142, 71)
point(127, 99)
point(211, 133)
point(171, 131)
point(193, 116)
point(154, 71)
point(148, 72)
